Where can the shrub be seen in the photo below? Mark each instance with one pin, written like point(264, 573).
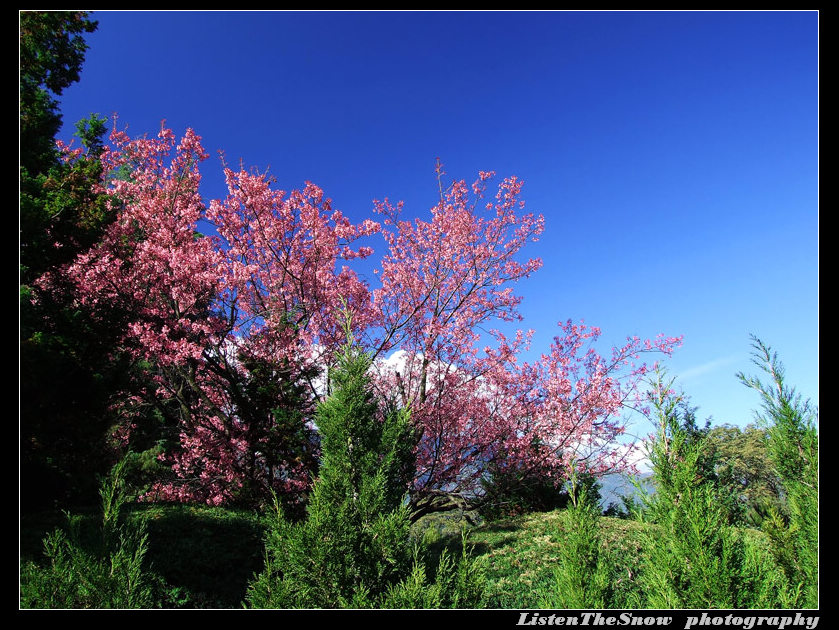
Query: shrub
point(353, 549)
point(793, 447)
point(513, 488)
point(111, 577)
point(697, 559)
point(582, 577)
point(457, 582)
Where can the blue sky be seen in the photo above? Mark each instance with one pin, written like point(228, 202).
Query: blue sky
point(673, 154)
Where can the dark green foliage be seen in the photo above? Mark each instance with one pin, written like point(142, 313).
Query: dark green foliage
point(677, 434)
point(61, 215)
point(629, 507)
point(275, 404)
point(743, 466)
point(585, 486)
point(353, 544)
point(204, 555)
point(353, 549)
point(52, 49)
point(512, 488)
point(111, 576)
point(67, 370)
point(763, 583)
point(791, 425)
point(67, 376)
point(208, 553)
point(456, 582)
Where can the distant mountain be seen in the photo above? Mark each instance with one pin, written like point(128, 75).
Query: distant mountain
point(616, 485)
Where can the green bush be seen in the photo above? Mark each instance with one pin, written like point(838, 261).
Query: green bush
point(353, 549)
point(110, 577)
point(457, 582)
point(696, 558)
point(743, 464)
point(510, 488)
point(209, 553)
point(793, 447)
point(582, 576)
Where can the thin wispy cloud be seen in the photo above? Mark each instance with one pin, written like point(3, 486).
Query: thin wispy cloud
point(708, 367)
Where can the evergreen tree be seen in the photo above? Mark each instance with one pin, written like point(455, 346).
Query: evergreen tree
point(59, 213)
point(512, 487)
point(111, 576)
point(276, 406)
point(354, 548)
point(695, 558)
point(793, 446)
point(354, 542)
point(66, 364)
point(52, 49)
point(743, 465)
point(582, 576)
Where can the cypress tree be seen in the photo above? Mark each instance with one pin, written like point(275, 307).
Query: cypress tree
point(793, 447)
point(354, 548)
point(695, 557)
point(354, 543)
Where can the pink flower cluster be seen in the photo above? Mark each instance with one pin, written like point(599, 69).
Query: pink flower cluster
point(274, 283)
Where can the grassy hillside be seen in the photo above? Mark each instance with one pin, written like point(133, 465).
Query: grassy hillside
point(207, 555)
point(522, 553)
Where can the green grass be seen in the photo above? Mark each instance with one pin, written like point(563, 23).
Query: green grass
point(209, 552)
point(522, 554)
point(207, 555)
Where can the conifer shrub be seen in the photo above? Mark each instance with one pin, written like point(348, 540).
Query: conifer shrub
point(353, 549)
point(696, 558)
point(582, 578)
point(511, 488)
point(793, 445)
point(112, 576)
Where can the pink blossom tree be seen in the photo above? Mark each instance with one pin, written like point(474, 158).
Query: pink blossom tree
point(230, 324)
point(236, 328)
point(443, 282)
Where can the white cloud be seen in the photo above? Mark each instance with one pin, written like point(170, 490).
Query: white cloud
point(707, 367)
